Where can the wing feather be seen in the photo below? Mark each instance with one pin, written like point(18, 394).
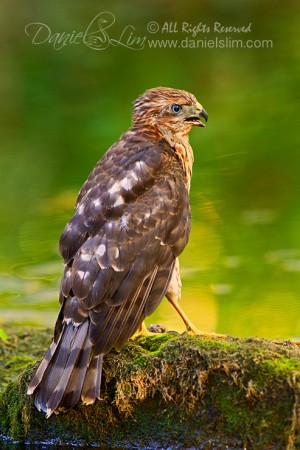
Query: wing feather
point(131, 222)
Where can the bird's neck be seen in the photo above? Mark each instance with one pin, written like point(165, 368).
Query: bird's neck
point(180, 142)
point(185, 152)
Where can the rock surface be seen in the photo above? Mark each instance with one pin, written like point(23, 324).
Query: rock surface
point(165, 391)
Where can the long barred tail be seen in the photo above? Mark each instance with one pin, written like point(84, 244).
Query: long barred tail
point(68, 372)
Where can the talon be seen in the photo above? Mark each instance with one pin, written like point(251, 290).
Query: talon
point(193, 331)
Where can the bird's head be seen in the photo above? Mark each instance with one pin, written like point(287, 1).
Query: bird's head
point(169, 111)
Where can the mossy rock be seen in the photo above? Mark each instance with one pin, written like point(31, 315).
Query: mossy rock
point(167, 391)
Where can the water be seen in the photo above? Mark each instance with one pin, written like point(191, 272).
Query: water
point(62, 109)
point(9, 444)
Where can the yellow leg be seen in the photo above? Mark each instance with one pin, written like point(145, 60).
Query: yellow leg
point(173, 294)
point(142, 331)
point(191, 329)
point(142, 328)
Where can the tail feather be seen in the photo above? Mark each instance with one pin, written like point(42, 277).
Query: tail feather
point(77, 346)
point(55, 368)
point(36, 379)
point(92, 382)
point(48, 377)
point(68, 371)
point(76, 381)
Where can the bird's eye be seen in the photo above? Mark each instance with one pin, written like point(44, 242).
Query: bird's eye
point(176, 108)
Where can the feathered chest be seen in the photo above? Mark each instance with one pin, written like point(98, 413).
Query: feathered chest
point(185, 153)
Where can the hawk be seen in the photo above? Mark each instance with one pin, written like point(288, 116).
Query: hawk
point(132, 221)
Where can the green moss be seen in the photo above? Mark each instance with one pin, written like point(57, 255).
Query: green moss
point(141, 361)
point(281, 365)
point(170, 390)
point(22, 347)
point(156, 342)
point(231, 344)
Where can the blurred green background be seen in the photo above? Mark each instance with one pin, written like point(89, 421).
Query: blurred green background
point(61, 109)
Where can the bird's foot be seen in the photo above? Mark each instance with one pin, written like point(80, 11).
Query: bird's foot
point(141, 331)
point(150, 331)
point(190, 327)
point(193, 331)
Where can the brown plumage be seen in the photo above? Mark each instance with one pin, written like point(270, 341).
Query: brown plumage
point(132, 220)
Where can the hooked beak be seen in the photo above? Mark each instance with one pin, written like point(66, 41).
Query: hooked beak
point(204, 114)
point(194, 118)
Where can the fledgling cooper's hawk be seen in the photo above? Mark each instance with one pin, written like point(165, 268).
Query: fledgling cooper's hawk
point(131, 222)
